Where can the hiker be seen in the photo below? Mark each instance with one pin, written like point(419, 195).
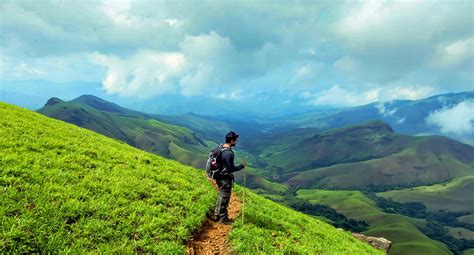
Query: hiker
point(225, 177)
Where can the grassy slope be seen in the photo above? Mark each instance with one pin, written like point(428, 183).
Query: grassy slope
point(401, 230)
point(468, 218)
point(455, 195)
point(135, 128)
point(461, 233)
point(468, 252)
point(65, 188)
point(68, 189)
point(271, 228)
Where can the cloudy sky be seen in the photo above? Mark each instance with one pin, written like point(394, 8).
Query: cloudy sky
point(323, 53)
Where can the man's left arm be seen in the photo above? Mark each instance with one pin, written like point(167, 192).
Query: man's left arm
point(230, 162)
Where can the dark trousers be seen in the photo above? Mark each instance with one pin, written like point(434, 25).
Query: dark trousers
point(225, 189)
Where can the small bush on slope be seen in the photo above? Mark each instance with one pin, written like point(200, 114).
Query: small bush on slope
point(68, 189)
point(271, 228)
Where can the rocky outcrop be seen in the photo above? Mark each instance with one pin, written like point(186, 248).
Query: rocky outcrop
point(378, 242)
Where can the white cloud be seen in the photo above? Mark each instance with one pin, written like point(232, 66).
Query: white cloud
point(337, 96)
point(296, 47)
point(234, 95)
point(211, 63)
point(384, 110)
point(411, 93)
point(175, 23)
point(379, 47)
point(341, 97)
point(203, 63)
point(309, 51)
point(145, 74)
point(53, 68)
point(454, 53)
point(457, 119)
point(346, 64)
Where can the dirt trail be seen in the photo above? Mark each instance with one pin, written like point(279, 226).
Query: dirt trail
point(212, 237)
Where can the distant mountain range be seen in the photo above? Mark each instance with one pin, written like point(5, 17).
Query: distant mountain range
point(404, 116)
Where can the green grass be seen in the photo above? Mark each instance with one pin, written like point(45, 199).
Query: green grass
point(401, 230)
point(468, 252)
point(271, 228)
point(455, 195)
point(66, 189)
point(467, 218)
point(461, 233)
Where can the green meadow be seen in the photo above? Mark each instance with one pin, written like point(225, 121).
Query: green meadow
point(455, 195)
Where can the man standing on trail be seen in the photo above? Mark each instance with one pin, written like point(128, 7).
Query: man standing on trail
point(225, 178)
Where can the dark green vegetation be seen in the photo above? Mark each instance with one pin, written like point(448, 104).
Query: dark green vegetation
point(68, 189)
point(336, 219)
point(138, 129)
point(438, 223)
point(403, 231)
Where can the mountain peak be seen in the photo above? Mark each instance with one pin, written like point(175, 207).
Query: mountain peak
point(54, 100)
point(378, 125)
point(88, 98)
point(98, 103)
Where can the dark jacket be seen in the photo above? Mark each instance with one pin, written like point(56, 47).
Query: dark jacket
point(227, 162)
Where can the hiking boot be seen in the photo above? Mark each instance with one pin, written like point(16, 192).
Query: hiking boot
point(212, 216)
point(226, 221)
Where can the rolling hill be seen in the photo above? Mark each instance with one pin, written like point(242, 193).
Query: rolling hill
point(68, 189)
point(138, 129)
point(367, 154)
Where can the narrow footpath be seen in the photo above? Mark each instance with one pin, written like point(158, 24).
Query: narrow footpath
point(212, 237)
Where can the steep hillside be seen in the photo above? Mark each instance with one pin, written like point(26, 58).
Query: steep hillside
point(135, 128)
point(68, 189)
point(428, 160)
point(349, 144)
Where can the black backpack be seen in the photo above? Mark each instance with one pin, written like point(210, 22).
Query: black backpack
point(213, 166)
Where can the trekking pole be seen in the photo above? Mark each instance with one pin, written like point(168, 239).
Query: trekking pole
point(243, 198)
